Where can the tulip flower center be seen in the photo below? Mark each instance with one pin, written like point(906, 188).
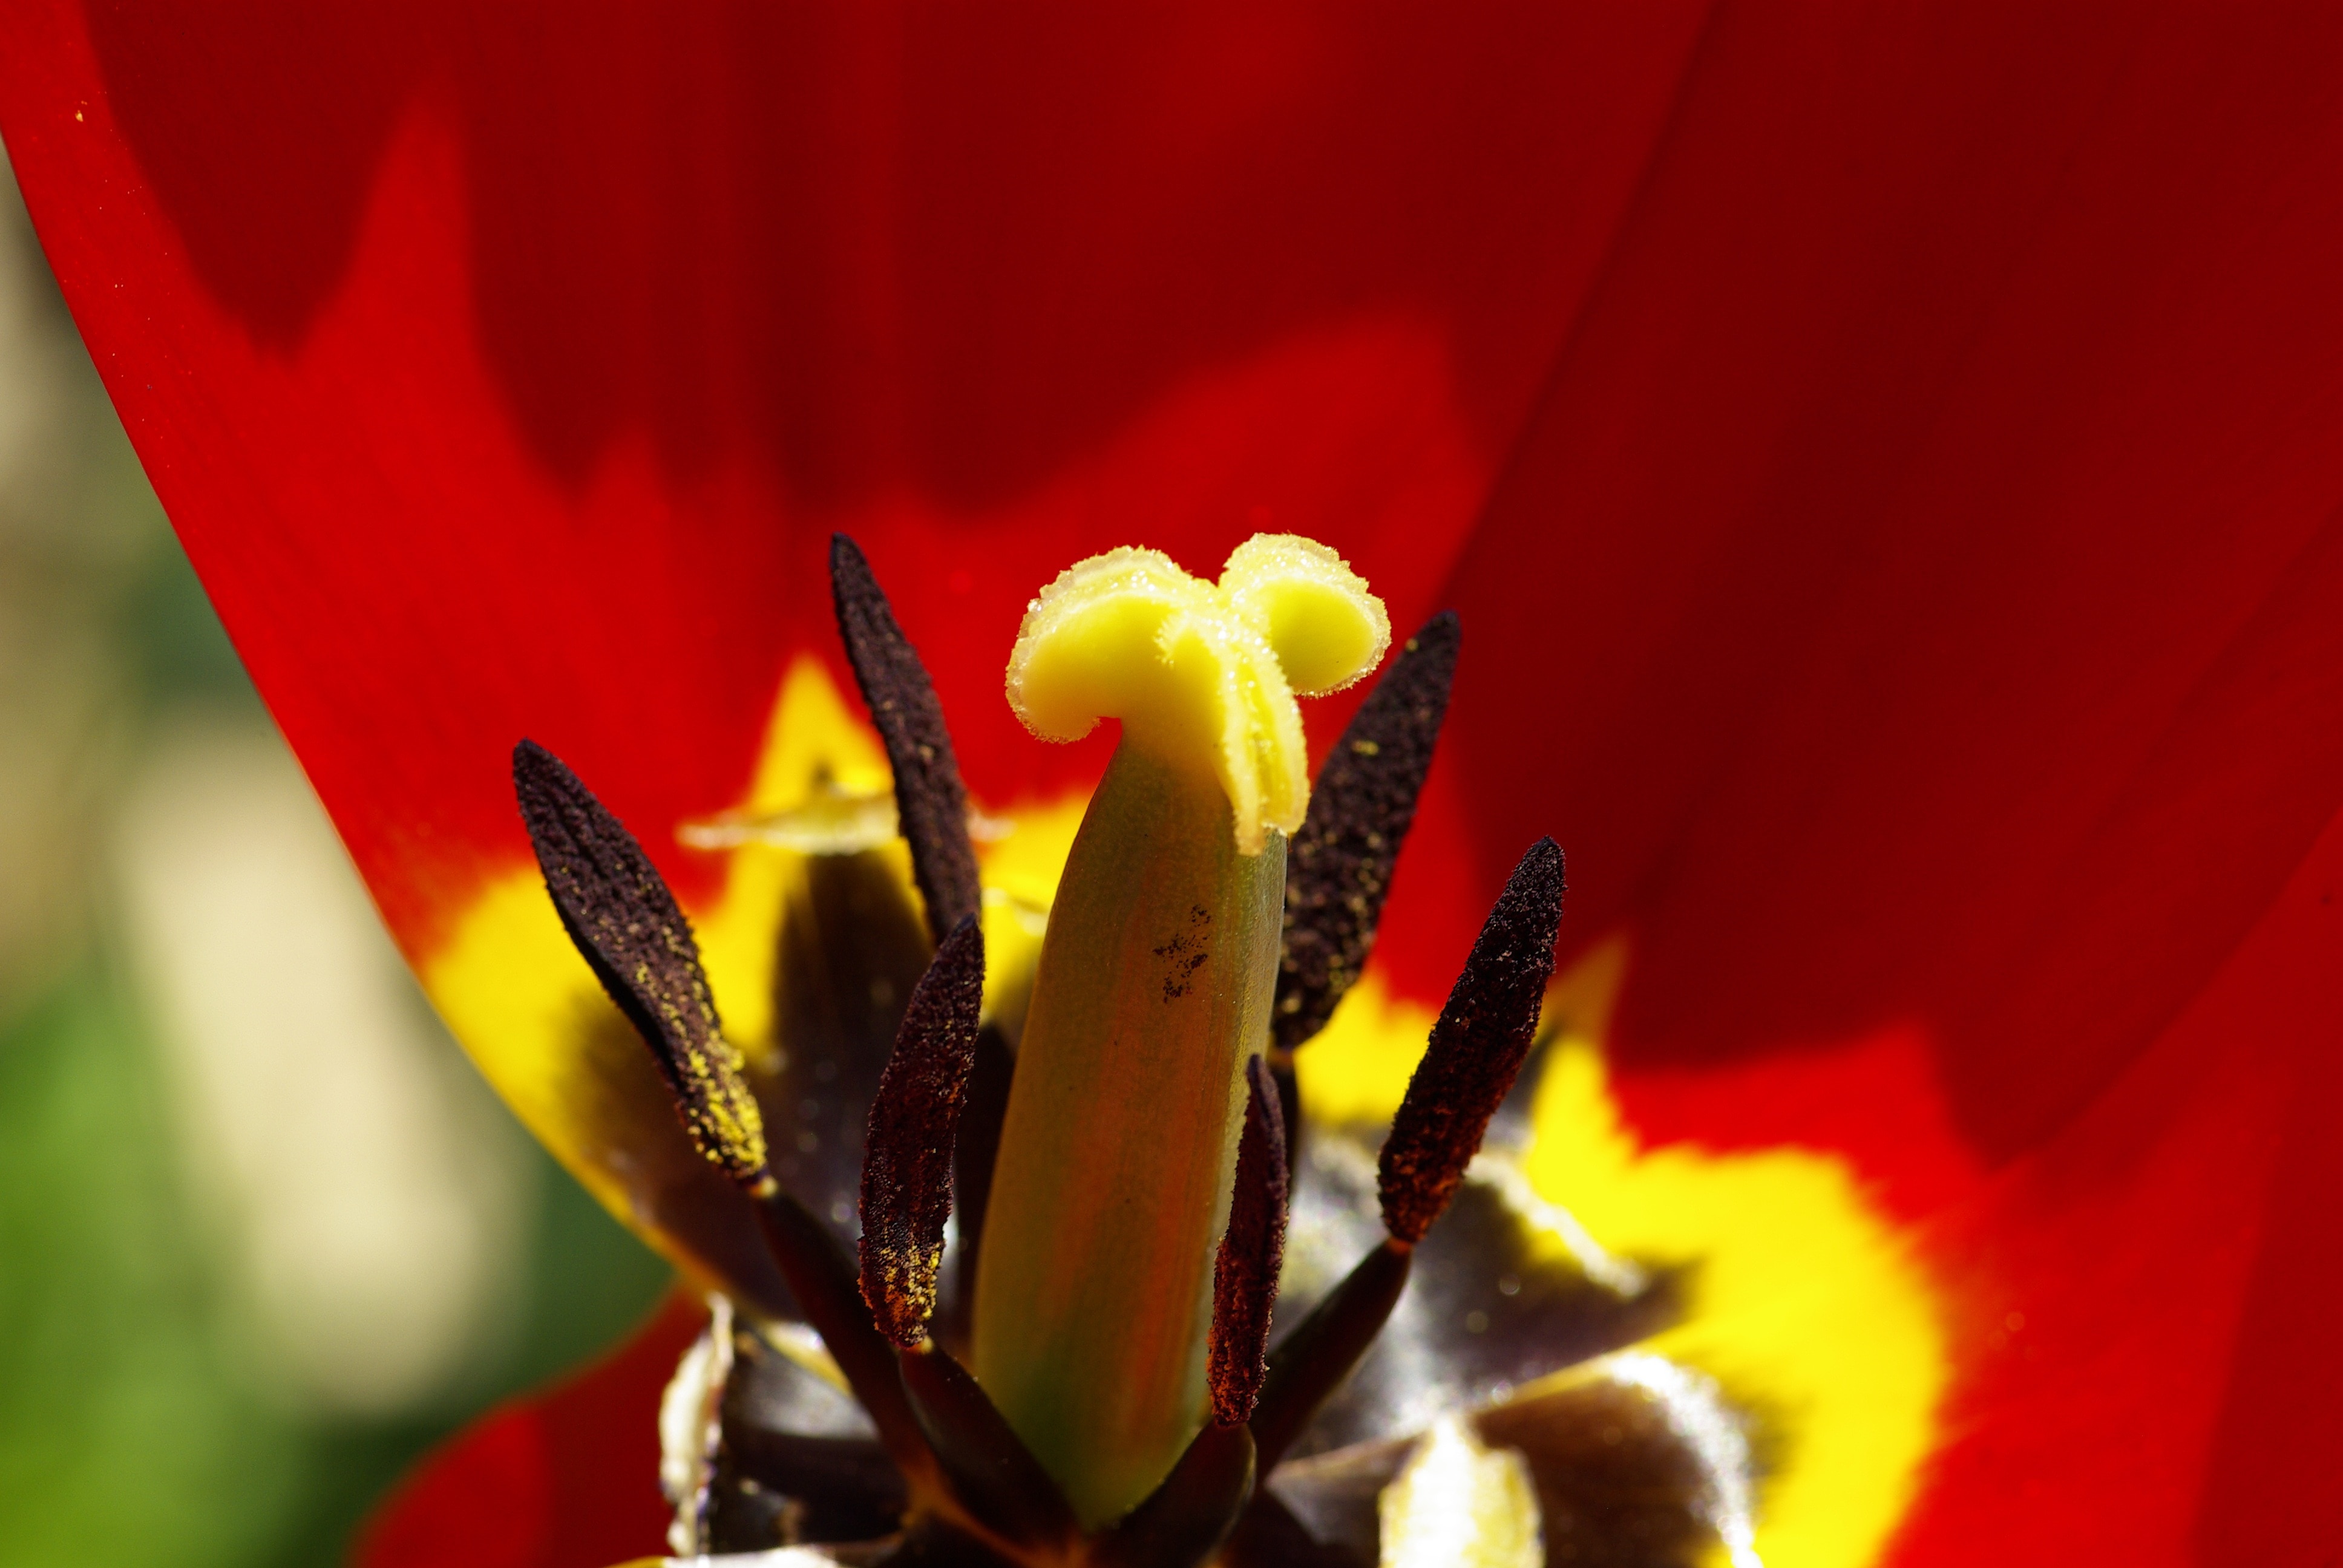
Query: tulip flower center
point(1112, 1110)
point(1154, 988)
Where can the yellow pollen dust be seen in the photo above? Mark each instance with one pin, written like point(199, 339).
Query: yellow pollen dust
point(1203, 675)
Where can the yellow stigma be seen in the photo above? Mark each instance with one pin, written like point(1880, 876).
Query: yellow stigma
point(1202, 674)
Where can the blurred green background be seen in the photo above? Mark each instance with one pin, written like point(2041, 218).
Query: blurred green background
point(264, 1235)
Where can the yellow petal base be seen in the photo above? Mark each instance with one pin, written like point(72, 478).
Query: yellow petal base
point(1808, 1309)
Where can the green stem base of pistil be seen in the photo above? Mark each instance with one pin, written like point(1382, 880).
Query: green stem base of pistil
point(1111, 1187)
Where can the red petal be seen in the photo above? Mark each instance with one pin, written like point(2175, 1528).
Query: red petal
point(568, 1479)
point(1944, 618)
point(2165, 1390)
point(2138, 1312)
point(2275, 1446)
point(1933, 553)
point(502, 373)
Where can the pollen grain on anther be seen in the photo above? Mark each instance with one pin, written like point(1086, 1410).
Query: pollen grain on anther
point(626, 924)
point(907, 1167)
point(1476, 1049)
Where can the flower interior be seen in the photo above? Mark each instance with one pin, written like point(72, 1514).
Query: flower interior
point(996, 1228)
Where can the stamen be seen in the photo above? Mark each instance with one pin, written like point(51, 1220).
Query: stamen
point(824, 1284)
point(1337, 866)
point(907, 1163)
point(624, 922)
point(1184, 1521)
point(930, 798)
point(1245, 1276)
point(993, 1474)
point(974, 1153)
point(1314, 1359)
point(1288, 1105)
point(1477, 1047)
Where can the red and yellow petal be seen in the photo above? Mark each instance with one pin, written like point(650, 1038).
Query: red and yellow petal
point(2143, 1314)
point(1947, 629)
point(1911, 582)
point(1813, 1305)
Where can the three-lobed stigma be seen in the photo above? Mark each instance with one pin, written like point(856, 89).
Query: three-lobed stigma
point(1203, 675)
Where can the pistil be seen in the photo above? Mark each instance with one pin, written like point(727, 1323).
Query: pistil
point(1153, 991)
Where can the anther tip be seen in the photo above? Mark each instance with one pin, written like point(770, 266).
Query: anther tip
point(1477, 1047)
